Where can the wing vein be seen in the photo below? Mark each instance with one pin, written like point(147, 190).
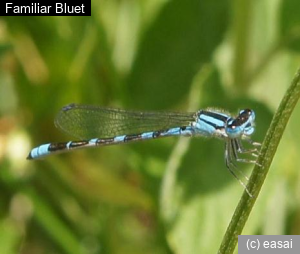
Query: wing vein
point(85, 121)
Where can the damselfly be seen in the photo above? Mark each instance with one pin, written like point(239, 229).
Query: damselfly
point(98, 126)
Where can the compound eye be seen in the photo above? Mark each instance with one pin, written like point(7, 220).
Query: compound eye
point(246, 112)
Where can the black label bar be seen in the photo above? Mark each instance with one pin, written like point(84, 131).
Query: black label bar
point(45, 8)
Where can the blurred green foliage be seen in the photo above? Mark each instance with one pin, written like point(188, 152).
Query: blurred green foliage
point(163, 196)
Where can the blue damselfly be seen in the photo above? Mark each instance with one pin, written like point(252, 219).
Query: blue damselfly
point(97, 126)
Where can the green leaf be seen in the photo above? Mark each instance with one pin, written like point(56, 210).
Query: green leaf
point(183, 37)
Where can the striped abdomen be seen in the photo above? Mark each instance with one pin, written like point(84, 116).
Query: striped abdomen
point(50, 148)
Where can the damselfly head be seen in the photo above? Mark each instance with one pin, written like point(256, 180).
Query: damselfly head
point(242, 125)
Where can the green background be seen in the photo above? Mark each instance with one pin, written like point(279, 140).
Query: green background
point(163, 196)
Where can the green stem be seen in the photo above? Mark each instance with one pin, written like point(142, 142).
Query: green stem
point(259, 174)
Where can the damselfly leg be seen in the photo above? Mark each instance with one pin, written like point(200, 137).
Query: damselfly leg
point(234, 147)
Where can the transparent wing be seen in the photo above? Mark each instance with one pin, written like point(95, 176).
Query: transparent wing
point(85, 121)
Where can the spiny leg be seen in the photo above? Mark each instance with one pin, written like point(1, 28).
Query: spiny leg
point(239, 147)
point(250, 141)
point(234, 150)
point(229, 163)
point(254, 151)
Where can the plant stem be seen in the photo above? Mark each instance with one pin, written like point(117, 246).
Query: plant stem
point(265, 158)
